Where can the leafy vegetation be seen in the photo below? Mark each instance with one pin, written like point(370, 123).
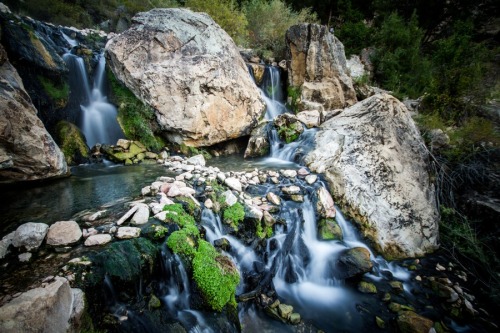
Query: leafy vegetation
point(134, 117)
point(294, 97)
point(215, 275)
point(234, 214)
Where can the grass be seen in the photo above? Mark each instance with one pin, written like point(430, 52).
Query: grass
point(57, 92)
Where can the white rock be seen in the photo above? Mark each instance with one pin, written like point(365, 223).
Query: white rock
point(233, 184)
point(127, 215)
point(325, 206)
point(5, 243)
point(89, 232)
point(30, 235)
point(146, 190)
point(141, 216)
point(99, 239)
point(311, 179)
point(128, 232)
point(197, 160)
point(64, 233)
point(156, 207)
point(253, 212)
point(95, 216)
point(229, 198)
point(310, 118)
point(291, 190)
point(209, 204)
point(25, 257)
point(221, 176)
point(273, 198)
point(289, 173)
point(164, 200)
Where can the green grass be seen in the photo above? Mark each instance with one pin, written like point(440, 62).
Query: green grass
point(56, 91)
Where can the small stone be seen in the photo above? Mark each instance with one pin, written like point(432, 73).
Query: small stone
point(253, 212)
point(99, 239)
point(197, 160)
point(297, 197)
point(222, 243)
point(289, 173)
point(154, 302)
point(440, 268)
point(128, 232)
point(367, 287)
point(275, 180)
point(233, 184)
point(146, 191)
point(303, 172)
point(418, 278)
point(30, 235)
point(397, 286)
point(273, 198)
point(141, 216)
point(229, 198)
point(25, 257)
point(387, 297)
point(410, 322)
point(209, 204)
point(325, 205)
point(380, 322)
point(285, 311)
point(295, 318)
point(127, 215)
point(291, 190)
point(311, 179)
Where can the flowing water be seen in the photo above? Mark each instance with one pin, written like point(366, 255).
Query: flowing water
point(98, 117)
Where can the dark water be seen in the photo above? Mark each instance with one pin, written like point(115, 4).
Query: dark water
point(89, 187)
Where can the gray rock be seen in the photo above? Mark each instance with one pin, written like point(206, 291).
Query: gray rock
point(325, 206)
point(27, 151)
point(233, 183)
point(273, 198)
point(439, 139)
point(258, 144)
point(289, 173)
point(127, 215)
point(99, 239)
point(318, 65)
point(141, 216)
point(229, 198)
point(64, 233)
point(354, 262)
point(196, 160)
point(5, 243)
point(25, 257)
point(30, 235)
point(310, 118)
point(375, 161)
point(290, 190)
point(311, 179)
point(190, 71)
point(52, 308)
point(128, 232)
point(253, 212)
point(356, 68)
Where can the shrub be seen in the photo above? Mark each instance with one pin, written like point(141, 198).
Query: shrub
point(268, 21)
point(226, 13)
point(355, 36)
point(216, 276)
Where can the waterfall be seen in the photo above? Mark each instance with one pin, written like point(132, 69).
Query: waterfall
point(98, 117)
point(272, 92)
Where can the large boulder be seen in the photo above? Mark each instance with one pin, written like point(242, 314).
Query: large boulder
point(190, 72)
point(30, 235)
point(317, 65)
point(375, 161)
point(64, 233)
point(27, 151)
point(54, 307)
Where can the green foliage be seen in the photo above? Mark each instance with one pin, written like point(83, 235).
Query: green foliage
point(160, 231)
point(183, 241)
point(134, 117)
point(355, 36)
point(177, 214)
point(72, 142)
point(58, 92)
point(400, 65)
point(294, 96)
point(289, 133)
point(234, 214)
point(192, 151)
point(215, 275)
point(226, 13)
point(268, 21)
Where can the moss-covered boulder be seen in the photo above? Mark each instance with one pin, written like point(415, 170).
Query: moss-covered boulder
point(289, 127)
point(183, 242)
point(410, 322)
point(367, 287)
point(125, 261)
point(354, 262)
point(329, 229)
point(72, 143)
point(216, 276)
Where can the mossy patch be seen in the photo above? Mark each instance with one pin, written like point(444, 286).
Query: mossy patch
point(183, 241)
point(135, 118)
point(328, 229)
point(176, 214)
point(234, 214)
point(216, 276)
point(58, 92)
point(72, 143)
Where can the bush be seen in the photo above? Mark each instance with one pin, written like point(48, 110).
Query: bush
point(355, 36)
point(268, 21)
point(226, 13)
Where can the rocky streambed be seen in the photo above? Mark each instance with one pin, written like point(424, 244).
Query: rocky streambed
point(207, 250)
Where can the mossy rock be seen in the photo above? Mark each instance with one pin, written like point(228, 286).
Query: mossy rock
point(216, 276)
point(125, 260)
point(329, 229)
point(410, 322)
point(176, 214)
point(184, 241)
point(72, 143)
point(289, 127)
point(367, 287)
point(189, 205)
point(234, 214)
point(354, 262)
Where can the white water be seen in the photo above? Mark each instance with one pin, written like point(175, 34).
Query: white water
point(98, 117)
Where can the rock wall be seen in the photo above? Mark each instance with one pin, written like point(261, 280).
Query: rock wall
point(376, 163)
point(190, 72)
point(317, 64)
point(27, 151)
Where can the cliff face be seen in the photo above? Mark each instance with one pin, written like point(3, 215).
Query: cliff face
point(27, 151)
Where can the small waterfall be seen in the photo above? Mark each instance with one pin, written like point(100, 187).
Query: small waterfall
point(272, 92)
point(98, 117)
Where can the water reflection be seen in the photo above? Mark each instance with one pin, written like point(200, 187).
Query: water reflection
point(89, 187)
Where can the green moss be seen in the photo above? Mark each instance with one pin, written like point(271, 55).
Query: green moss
point(290, 133)
point(234, 214)
point(215, 275)
point(183, 242)
point(72, 142)
point(124, 260)
point(294, 98)
point(189, 205)
point(135, 118)
point(328, 229)
point(159, 231)
point(177, 214)
point(192, 151)
point(58, 92)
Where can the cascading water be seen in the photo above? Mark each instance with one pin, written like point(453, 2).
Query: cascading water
point(98, 117)
point(272, 92)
